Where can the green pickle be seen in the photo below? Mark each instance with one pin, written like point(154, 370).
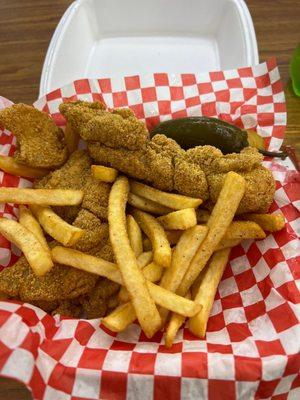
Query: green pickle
point(200, 131)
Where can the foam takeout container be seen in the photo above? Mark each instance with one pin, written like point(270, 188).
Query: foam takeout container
point(97, 38)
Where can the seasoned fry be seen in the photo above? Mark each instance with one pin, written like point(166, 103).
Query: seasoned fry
point(144, 259)
point(268, 222)
point(135, 235)
point(9, 165)
point(219, 221)
point(174, 201)
point(174, 324)
point(55, 226)
point(181, 219)
point(27, 220)
point(162, 252)
point(51, 197)
point(152, 272)
point(147, 205)
point(224, 244)
point(244, 230)
point(71, 138)
point(120, 318)
point(182, 256)
point(38, 258)
point(104, 174)
point(134, 280)
point(98, 266)
point(208, 284)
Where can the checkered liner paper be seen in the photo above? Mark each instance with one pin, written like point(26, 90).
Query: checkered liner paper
point(251, 349)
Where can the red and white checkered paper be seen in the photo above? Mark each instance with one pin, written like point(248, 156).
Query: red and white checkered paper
point(251, 349)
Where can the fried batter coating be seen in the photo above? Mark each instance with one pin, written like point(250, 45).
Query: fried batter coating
point(78, 113)
point(40, 143)
point(68, 308)
point(162, 163)
point(95, 231)
point(72, 175)
point(95, 198)
point(94, 303)
point(104, 250)
point(60, 283)
point(47, 306)
point(260, 189)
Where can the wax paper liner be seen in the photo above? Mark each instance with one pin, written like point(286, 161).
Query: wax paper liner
point(251, 350)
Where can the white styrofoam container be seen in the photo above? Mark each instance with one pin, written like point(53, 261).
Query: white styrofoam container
point(97, 38)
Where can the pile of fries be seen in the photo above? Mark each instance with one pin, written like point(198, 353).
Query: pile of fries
point(170, 254)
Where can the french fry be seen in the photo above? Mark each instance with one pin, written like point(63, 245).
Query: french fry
point(182, 256)
point(72, 138)
point(173, 326)
point(144, 259)
point(135, 235)
point(27, 220)
point(98, 266)
point(244, 230)
point(120, 318)
point(9, 165)
point(104, 174)
point(147, 205)
point(162, 252)
point(202, 215)
point(208, 284)
point(38, 258)
point(224, 244)
point(51, 197)
point(268, 222)
point(221, 217)
point(55, 226)
point(152, 272)
point(171, 200)
point(181, 219)
point(134, 280)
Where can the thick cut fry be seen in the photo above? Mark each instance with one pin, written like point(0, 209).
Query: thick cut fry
point(244, 230)
point(268, 222)
point(71, 138)
point(27, 220)
point(162, 252)
point(174, 324)
point(120, 318)
point(208, 284)
point(152, 272)
point(182, 256)
point(98, 266)
point(202, 215)
point(38, 258)
point(134, 280)
point(51, 197)
point(144, 259)
point(55, 226)
point(225, 244)
point(147, 205)
point(171, 200)
point(9, 165)
point(181, 219)
point(222, 214)
point(135, 235)
point(104, 174)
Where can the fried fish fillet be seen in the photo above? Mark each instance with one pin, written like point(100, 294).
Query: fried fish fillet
point(197, 172)
point(40, 143)
point(60, 283)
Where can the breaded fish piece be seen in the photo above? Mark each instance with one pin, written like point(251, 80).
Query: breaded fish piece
point(68, 308)
point(40, 143)
point(95, 232)
point(95, 196)
point(259, 193)
point(94, 303)
point(60, 283)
